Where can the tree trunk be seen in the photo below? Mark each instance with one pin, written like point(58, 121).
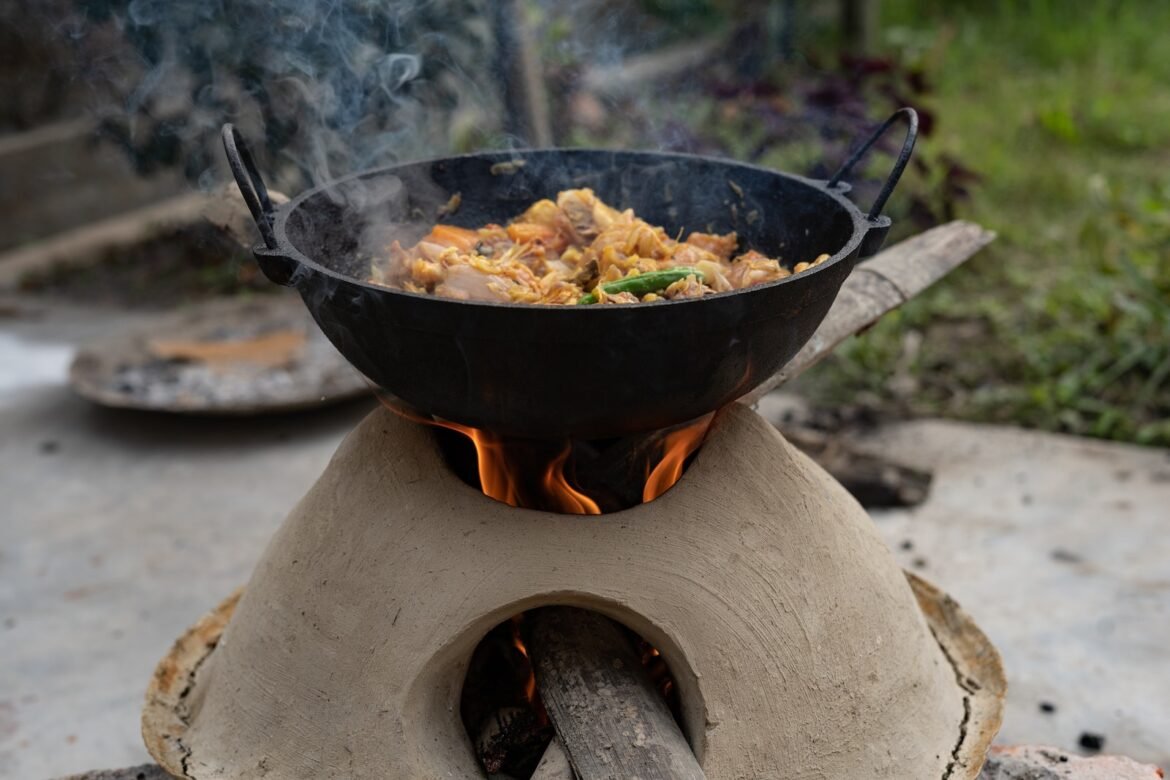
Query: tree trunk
point(860, 22)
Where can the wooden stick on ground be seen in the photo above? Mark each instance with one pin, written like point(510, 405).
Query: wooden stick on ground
point(878, 286)
point(610, 719)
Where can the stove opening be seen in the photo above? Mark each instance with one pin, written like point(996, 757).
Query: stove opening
point(500, 704)
point(568, 476)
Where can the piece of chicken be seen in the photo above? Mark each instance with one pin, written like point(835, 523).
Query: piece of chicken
point(587, 215)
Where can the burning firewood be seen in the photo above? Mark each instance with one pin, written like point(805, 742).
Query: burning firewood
point(598, 695)
point(511, 737)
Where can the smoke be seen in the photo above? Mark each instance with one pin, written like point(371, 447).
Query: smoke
point(321, 87)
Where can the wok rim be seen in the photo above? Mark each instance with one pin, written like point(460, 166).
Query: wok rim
point(287, 249)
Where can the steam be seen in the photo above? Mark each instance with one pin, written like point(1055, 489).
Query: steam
point(325, 88)
point(321, 87)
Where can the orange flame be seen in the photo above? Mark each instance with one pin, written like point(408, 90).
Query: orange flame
point(677, 446)
point(500, 476)
point(495, 478)
point(564, 496)
point(530, 678)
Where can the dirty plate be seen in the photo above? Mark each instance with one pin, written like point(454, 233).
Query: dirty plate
point(236, 357)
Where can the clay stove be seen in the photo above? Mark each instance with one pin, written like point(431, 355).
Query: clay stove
point(799, 648)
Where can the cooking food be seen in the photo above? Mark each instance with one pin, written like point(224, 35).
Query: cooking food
point(576, 251)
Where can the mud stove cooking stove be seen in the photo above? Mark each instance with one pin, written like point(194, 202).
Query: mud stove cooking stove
point(798, 647)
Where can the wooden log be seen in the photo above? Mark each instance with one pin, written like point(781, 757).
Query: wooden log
point(611, 720)
point(225, 209)
point(880, 285)
point(87, 245)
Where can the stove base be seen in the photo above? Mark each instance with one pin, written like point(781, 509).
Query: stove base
point(798, 647)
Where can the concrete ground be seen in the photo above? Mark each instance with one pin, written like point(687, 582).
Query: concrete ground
point(1058, 547)
point(119, 529)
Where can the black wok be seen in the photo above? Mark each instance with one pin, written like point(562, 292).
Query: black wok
point(553, 371)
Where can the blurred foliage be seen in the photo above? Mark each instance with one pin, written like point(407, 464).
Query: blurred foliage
point(37, 63)
point(1047, 126)
point(45, 46)
point(1064, 322)
point(800, 108)
point(683, 12)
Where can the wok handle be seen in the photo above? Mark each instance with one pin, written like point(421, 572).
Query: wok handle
point(911, 117)
point(247, 176)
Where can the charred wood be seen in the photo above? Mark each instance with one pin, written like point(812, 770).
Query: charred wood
point(604, 707)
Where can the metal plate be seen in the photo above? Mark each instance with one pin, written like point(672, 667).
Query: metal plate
point(228, 357)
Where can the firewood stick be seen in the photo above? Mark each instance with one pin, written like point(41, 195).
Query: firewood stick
point(225, 208)
point(610, 719)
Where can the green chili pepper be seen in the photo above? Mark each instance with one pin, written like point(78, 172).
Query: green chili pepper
point(651, 281)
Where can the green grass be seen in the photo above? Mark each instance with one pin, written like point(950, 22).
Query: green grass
point(1063, 109)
